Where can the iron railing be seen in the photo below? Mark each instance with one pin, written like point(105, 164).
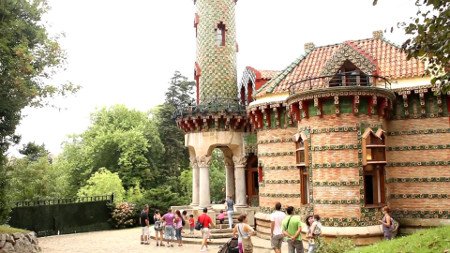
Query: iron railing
point(65, 201)
point(339, 80)
point(213, 105)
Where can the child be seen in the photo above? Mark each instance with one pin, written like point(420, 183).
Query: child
point(221, 216)
point(191, 224)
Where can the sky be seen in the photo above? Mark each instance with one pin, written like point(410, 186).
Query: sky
point(125, 52)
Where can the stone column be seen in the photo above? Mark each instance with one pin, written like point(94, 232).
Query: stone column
point(204, 195)
point(195, 182)
point(229, 166)
point(239, 175)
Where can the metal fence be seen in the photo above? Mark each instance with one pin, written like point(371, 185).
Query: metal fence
point(63, 216)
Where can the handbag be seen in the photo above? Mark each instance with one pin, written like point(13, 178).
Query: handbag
point(198, 225)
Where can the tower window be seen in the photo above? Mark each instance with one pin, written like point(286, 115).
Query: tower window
point(374, 160)
point(220, 34)
point(301, 161)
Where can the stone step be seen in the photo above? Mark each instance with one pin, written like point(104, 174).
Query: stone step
point(221, 230)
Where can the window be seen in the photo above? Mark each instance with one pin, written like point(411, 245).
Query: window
point(301, 149)
point(374, 160)
point(349, 75)
point(220, 34)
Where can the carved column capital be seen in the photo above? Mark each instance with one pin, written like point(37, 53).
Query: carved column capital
point(240, 161)
point(203, 161)
point(193, 162)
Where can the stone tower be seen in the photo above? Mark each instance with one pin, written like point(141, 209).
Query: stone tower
point(218, 119)
point(216, 51)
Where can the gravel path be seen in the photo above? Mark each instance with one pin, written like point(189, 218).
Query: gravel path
point(113, 241)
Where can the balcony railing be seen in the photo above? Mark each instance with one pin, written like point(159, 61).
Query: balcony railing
point(214, 105)
point(338, 80)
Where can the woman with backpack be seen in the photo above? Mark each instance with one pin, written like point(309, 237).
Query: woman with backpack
point(387, 223)
point(179, 223)
point(313, 233)
point(158, 227)
point(244, 233)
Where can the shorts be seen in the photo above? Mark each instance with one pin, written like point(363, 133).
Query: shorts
point(145, 231)
point(276, 241)
point(178, 233)
point(169, 233)
point(205, 233)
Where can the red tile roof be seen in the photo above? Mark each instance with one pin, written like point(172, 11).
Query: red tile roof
point(268, 74)
point(379, 56)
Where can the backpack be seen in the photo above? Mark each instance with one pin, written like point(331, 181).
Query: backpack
point(158, 225)
point(318, 229)
point(183, 222)
point(198, 225)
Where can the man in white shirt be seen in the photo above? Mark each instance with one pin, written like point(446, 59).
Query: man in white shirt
point(276, 232)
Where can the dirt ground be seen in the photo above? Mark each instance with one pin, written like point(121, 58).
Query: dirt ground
point(113, 241)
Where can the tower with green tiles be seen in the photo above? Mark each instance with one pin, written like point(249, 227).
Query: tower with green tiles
point(215, 67)
point(218, 120)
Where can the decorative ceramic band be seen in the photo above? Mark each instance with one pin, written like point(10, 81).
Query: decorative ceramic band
point(413, 164)
point(334, 165)
point(337, 202)
point(280, 168)
point(341, 183)
point(424, 131)
point(282, 181)
point(418, 196)
point(334, 129)
point(278, 140)
point(421, 214)
point(334, 147)
point(288, 153)
point(421, 147)
point(419, 180)
point(280, 195)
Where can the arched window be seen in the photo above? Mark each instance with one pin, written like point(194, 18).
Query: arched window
point(220, 34)
point(301, 158)
point(374, 160)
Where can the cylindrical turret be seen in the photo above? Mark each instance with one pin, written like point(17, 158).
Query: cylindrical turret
point(215, 68)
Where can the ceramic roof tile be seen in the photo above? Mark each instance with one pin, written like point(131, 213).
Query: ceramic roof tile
point(390, 61)
point(268, 74)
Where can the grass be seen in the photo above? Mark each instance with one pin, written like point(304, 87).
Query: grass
point(430, 240)
point(9, 230)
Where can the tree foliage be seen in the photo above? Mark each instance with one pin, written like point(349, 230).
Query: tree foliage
point(124, 141)
point(103, 182)
point(28, 56)
point(429, 38)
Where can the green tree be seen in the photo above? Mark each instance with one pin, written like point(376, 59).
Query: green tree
point(33, 151)
point(179, 94)
point(217, 176)
point(429, 38)
point(28, 57)
point(124, 141)
point(103, 182)
point(36, 179)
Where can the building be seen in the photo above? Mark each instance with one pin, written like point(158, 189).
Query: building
point(343, 130)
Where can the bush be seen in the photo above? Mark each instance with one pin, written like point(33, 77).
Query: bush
point(123, 215)
point(338, 245)
point(5, 202)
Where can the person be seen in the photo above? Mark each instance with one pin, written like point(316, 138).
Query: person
point(230, 211)
point(178, 227)
point(221, 216)
point(158, 227)
point(292, 228)
point(206, 222)
point(144, 221)
point(276, 234)
point(185, 217)
point(191, 224)
point(169, 231)
point(244, 233)
point(387, 223)
point(314, 231)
